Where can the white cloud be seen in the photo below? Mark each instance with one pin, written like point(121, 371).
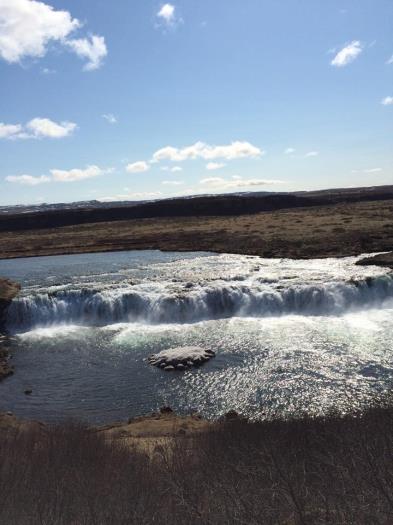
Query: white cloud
point(390, 60)
point(289, 151)
point(9, 131)
point(348, 54)
point(211, 166)
point(28, 27)
point(172, 182)
point(138, 167)
point(44, 127)
point(372, 170)
point(37, 128)
point(28, 180)
point(109, 117)
point(218, 183)
point(235, 150)
point(312, 154)
point(387, 101)
point(93, 50)
point(78, 174)
point(175, 169)
point(212, 180)
point(167, 14)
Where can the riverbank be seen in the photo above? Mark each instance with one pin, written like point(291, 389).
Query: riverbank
point(144, 433)
point(308, 471)
point(383, 259)
point(338, 230)
point(8, 290)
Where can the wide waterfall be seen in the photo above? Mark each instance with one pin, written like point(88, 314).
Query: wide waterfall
point(289, 336)
point(191, 302)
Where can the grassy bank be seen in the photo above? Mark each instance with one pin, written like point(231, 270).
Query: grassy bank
point(302, 472)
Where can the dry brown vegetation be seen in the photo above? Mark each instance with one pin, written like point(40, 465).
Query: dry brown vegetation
point(334, 230)
point(331, 470)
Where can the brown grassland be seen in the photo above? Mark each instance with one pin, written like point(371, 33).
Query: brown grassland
point(320, 231)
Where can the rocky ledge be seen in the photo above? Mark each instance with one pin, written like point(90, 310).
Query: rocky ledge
point(8, 290)
point(383, 259)
point(181, 358)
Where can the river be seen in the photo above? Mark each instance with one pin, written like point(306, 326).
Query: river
point(291, 336)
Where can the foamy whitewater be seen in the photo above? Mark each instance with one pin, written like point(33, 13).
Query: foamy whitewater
point(290, 336)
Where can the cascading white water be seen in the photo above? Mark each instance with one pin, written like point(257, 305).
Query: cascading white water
point(290, 337)
point(272, 288)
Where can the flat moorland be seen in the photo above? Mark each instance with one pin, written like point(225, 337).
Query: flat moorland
point(318, 231)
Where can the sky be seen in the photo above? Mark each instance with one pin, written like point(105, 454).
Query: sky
point(141, 99)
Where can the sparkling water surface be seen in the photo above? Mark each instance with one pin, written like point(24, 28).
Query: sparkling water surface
point(291, 337)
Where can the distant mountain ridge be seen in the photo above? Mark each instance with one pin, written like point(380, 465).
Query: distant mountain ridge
point(56, 215)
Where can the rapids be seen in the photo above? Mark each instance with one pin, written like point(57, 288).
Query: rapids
point(290, 336)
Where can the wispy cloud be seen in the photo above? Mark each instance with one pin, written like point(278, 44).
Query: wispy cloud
point(167, 15)
point(58, 175)
point(289, 151)
point(387, 101)
point(368, 170)
point(373, 170)
point(48, 71)
point(174, 169)
point(172, 182)
point(93, 49)
point(347, 54)
point(219, 183)
point(77, 174)
point(28, 180)
point(44, 127)
point(200, 150)
point(390, 60)
point(137, 167)
point(110, 117)
point(8, 131)
point(37, 128)
point(312, 154)
point(29, 27)
point(211, 166)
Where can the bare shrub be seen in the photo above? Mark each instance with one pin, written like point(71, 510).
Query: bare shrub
point(309, 471)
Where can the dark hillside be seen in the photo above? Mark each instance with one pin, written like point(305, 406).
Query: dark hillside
point(182, 207)
point(208, 206)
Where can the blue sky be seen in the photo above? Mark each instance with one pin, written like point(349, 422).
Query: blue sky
point(144, 99)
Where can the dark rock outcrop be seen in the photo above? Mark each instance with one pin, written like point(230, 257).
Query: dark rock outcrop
point(8, 290)
point(5, 367)
point(383, 259)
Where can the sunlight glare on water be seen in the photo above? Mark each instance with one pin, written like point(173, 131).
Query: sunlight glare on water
point(291, 337)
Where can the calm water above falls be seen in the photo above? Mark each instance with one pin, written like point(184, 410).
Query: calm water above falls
point(290, 336)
